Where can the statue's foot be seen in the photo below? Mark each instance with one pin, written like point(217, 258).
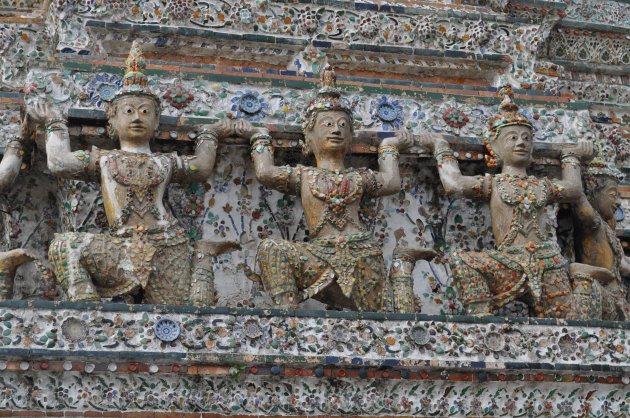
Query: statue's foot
point(251, 274)
point(479, 309)
point(602, 275)
point(286, 300)
point(11, 260)
point(415, 254)
point(215, 248)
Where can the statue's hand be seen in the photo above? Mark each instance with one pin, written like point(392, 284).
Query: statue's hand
point(405, 139)
point(26, 130)
point(402, 140)
point(583, 150)
point(222, 129)
point(426, 140)
point(41, 112)
point(244, 129)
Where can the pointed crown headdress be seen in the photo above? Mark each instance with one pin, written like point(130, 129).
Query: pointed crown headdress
point(603, 165)
point(509, 115)
point(135, 81)
point(328, 97)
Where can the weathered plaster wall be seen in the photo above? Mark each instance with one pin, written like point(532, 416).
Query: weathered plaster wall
point(428, 65)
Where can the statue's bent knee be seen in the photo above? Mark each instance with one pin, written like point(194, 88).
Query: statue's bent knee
point(276, 264)
point(65, 254)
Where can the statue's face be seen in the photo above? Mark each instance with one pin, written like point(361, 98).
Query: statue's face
point(331, 134)
point(135, 119)
point(514, 145)
point(606, 199)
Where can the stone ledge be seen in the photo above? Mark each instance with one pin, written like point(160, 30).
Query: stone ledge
point(106, 357)
point(310, 338)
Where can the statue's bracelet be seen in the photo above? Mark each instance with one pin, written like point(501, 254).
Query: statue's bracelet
point(206, 135)
point(570, 159)
point(387, 149)
point(258, 136)
point(261, 144)
point(56, 124)
point(16, 142)
point(444, 153)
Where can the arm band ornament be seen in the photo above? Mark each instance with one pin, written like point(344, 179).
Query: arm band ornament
point(261, 142)
point(384, 150)
point(56, 124)
point(287, 175)
point(571, 160)
point(482, 190)
point(16, 142)
point(260, 135)
point(206, 135)
point(443, 154)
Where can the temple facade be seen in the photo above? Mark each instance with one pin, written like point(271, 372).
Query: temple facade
point(268, 208)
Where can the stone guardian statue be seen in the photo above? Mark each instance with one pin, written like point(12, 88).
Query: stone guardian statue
point(340, 265)
point(10, 166)
point(147, 250)
point(527, 264)
point(598, 250)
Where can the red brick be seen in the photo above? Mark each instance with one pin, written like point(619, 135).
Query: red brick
point(6, 414)
point(93, 414)
point(213, 370)
point(138, 414)
point(56, 414)
point(112, 414)
point(292, 416)
point(28, 414)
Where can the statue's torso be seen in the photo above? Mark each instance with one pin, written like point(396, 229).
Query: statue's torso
point(331, 201)
point(599, 246)
point(517, 207)
point(133, 186)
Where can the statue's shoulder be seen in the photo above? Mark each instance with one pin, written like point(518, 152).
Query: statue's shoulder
point(97, 152)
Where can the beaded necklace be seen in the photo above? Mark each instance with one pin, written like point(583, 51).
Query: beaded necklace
point(337, 189)
point(526, 195)
point(140, 174)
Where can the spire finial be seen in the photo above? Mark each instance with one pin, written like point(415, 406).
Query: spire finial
point(328, 97)
point(135, 80)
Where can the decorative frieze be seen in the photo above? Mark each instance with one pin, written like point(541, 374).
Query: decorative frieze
point(308, 337)
point(240, 361)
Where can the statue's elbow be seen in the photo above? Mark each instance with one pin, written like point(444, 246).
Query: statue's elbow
point(5, 183)
point(58, 168)
point(452, 189)
point(267, 178)
point(7, 177)
point(572, 194)
point(389, 189)
point(203, 173)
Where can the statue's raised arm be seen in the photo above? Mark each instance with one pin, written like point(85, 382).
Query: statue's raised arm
point(282, 178)
point(14, 152)
point(62, 161)
point(453, 181)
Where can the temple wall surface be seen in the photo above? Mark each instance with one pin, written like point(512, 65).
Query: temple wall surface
point(430, 66)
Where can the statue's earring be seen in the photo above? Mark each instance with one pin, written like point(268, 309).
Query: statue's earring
point(306, 148)
point(492, 159)
point(110, 111)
